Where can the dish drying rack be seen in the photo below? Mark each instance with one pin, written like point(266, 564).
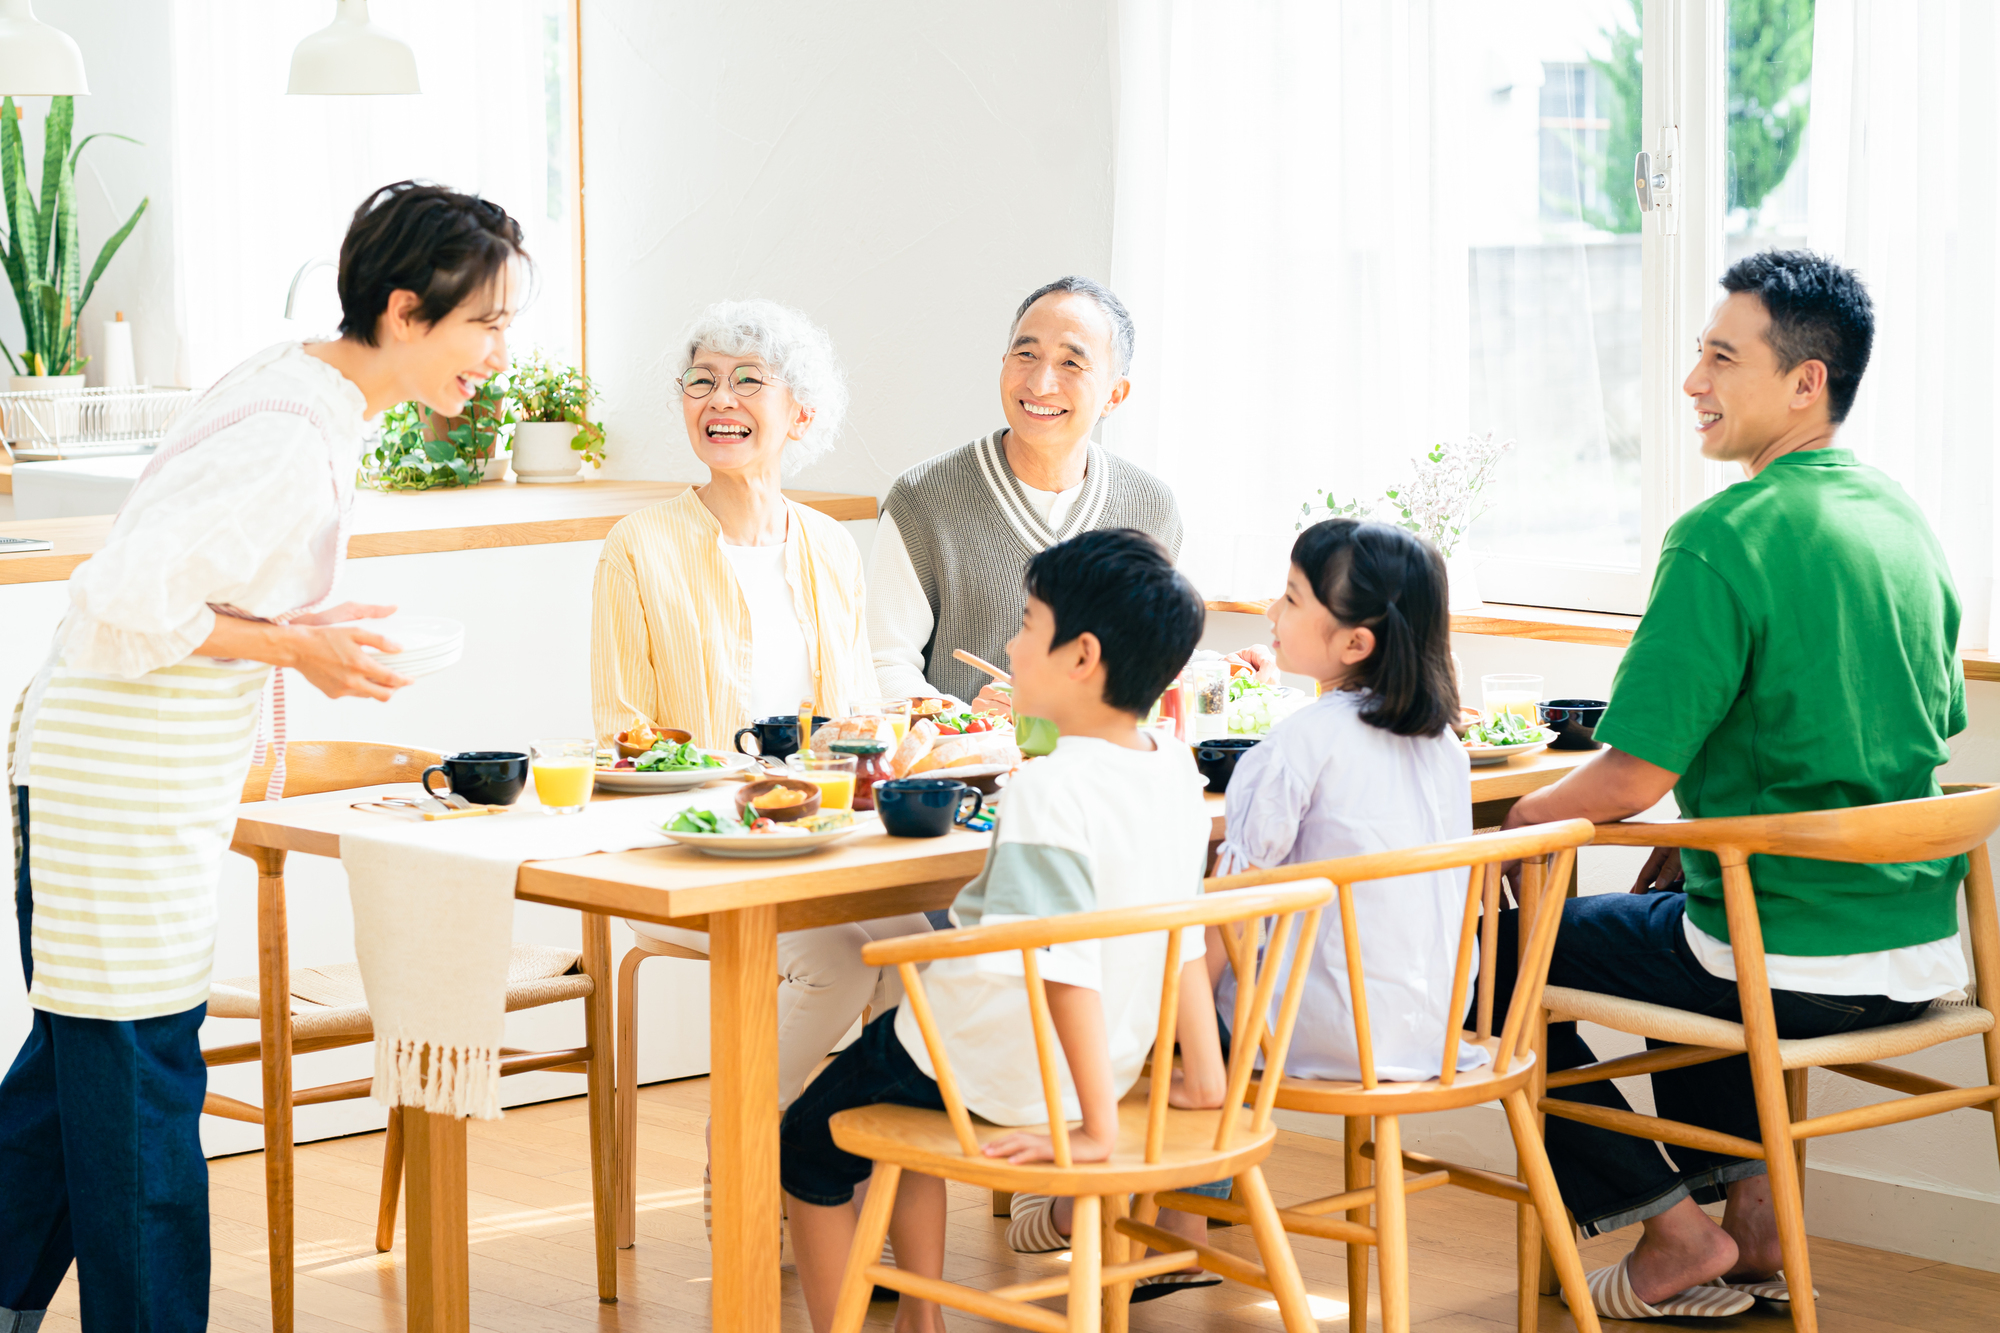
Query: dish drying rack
point(39, 425)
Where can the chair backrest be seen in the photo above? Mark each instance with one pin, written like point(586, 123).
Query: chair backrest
point(1546, 852)
point(1283, 906)
point(316, 766)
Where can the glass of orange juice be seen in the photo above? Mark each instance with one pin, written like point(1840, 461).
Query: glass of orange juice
point(565, 771)
point(834, 773)
point(1510, 694)
point(896, 710)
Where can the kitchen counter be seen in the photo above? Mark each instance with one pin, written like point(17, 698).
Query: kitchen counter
point(501, 513)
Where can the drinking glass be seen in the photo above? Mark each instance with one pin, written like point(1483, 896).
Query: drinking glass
point(1208, 700)
point(896, 710)
point(1510, 694)
point(565, 770)
point(834, 773)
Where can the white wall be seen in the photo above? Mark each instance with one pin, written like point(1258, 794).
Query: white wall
point(130, 82)
point(903, 171)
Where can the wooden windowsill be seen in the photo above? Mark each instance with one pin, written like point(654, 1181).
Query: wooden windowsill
point(414, 523)
point(1594, 628)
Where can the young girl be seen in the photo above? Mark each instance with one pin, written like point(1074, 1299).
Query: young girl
point(1370, 766)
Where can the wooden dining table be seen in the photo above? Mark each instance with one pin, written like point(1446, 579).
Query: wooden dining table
point(742, 905)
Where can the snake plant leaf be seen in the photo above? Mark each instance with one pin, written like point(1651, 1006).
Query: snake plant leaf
point(56, 132)
point(22, 223)
point(110, 249)
point(9, 352)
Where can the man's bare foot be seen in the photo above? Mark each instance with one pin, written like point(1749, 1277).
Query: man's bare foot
point(1681, 1248)
point(1753, 1224)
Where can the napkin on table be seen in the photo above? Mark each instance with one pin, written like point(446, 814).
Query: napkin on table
point(433, 930)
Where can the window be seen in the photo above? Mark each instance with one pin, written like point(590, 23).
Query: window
point(280, 176)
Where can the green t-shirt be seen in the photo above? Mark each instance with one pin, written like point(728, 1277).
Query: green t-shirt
point(1799, 652)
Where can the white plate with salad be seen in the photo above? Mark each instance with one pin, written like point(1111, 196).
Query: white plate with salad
point(719, 833)
point(668, 766)
point(1254, 708)
point(1508, 736)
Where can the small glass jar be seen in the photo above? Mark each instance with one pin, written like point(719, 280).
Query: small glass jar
point(871, 765)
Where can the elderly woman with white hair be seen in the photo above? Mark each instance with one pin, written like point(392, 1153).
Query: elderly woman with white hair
point(731, 602)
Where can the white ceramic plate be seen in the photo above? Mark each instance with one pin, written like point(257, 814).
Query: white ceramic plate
point(767, 846)
point(1500, 754)
point(631, 779)
point(429, 643)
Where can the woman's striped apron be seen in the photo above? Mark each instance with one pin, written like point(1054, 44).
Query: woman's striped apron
point(132, 789)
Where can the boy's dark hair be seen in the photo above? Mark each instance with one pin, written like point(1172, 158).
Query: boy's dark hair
point(1392, 581)
point(445, 246)
point(1122, 586)
point(1819, 312)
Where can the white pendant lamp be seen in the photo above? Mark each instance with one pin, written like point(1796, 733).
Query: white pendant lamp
point(352, 56)
point(35, 59)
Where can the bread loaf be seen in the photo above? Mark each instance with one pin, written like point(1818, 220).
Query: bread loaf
point(983, 747)
point(916, 744)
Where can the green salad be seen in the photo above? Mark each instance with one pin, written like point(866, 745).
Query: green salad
point(668, 757)
point(704, 821)
point(1506, 729)
point(1255, 708)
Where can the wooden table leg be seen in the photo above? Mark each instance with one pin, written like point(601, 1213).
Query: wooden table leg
point(602, 1102)
point(274, 1006)
point(743, 1105)
point(434, 1184)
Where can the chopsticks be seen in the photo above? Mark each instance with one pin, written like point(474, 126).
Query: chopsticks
point(983, 665)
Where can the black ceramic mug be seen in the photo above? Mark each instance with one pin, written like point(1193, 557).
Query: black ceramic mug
point(483, 777)
point(923, 807)
point(777, 737)
point(1574, 722)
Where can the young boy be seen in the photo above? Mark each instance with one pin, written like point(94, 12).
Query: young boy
point(1114, 818)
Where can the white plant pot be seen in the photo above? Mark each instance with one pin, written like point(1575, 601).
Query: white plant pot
point(25, 383)
point(1461, 572)
point(542, 454)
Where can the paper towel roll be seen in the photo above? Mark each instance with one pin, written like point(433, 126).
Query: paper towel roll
point(114, 356)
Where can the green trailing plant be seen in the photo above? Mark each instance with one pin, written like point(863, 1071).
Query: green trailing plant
point(422, 451)
point(41, 253)
point(549, 390)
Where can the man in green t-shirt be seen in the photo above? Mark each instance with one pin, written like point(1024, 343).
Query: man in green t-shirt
point(1798, 652)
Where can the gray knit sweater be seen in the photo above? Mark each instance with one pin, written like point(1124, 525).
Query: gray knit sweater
point(970, 532)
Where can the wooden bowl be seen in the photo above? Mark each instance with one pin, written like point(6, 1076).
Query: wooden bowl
point(746, 799)
point(674, 734)
point(928, 705)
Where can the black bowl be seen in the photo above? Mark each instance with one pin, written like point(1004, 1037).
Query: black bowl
point(1574, 721)
point(1217, 758)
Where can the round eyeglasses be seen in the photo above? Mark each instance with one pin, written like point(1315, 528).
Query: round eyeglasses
point(744, 381)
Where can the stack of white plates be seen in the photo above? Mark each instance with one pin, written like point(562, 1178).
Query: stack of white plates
point(429, 643)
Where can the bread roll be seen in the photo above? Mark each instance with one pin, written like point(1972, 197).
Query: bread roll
point(982, 747)
point(916, 744)
point(853, 729)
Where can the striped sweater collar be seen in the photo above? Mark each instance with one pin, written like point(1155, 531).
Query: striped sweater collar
point(1010, 496)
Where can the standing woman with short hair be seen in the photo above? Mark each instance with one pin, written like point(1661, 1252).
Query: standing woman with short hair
point(130, 748)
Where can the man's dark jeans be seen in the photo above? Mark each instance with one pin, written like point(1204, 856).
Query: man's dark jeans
point(1633, 945)
point(101, 1163)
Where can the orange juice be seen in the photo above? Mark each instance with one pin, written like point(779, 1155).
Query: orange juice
point(563, 782)
point(900, 724)
point(836, 790)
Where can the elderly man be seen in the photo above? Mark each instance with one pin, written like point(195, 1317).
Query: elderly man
point(958, 530)
point(1798, 652)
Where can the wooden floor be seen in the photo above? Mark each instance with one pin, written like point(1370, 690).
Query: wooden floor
point(532, 1268)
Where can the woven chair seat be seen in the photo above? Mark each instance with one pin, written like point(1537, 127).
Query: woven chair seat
point(1942, 1022)
point(329, 1001)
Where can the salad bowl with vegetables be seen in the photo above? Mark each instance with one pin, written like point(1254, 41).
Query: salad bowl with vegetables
point(758, 837)
point(669, 765)
point(1507, 736)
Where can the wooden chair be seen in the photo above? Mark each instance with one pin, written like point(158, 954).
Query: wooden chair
point(1158, 1148)
point(1922, 830)
point(626, 1170)
point(1547, 851)
point(325, 1009)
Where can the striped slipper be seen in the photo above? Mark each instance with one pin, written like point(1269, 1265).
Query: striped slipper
point(1166, 1284)
point(1611, 1292)
point(1774, 1288)
point(1031, 1228)
point(707, 1206)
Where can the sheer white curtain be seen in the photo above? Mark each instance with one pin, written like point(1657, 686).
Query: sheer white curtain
point(267, 181)
point(1905, 152)
point(1289, 236)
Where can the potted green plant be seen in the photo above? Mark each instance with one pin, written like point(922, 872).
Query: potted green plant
point(420, 450)
point(42, 254)
point(554, 435)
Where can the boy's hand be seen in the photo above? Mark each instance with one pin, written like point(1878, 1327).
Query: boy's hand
point(1023, 1148)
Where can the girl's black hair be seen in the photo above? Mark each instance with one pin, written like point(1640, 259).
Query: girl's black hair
point(445, 246)
point(1392, 581)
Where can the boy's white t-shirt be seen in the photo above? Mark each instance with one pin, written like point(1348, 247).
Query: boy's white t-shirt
point(1093, 826)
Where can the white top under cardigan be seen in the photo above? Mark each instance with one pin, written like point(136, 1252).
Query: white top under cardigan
point(781, 668)
point(1326, 784)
